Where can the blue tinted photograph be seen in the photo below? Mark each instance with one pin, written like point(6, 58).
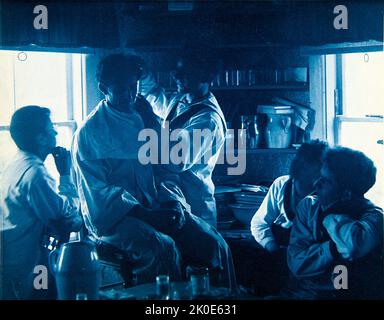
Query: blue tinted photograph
point(213, 152)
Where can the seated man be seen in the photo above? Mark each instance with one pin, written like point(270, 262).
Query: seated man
point(30, 208)
point(271, 224)
point(121, 202)
point(338, 226)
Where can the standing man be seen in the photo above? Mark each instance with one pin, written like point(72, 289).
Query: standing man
point(194, 108)
point(30, 207)
point(121, 202)
point(338, 227)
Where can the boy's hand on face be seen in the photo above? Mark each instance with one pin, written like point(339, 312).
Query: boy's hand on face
point(62, 159)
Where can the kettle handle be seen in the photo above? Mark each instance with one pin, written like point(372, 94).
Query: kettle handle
point(53, 255)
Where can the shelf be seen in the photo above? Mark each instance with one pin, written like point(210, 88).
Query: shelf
point(236, 46)
point(264, 87)
point(296, 87)
point(266, 151)
point(272, 150)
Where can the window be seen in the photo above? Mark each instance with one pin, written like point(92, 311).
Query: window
point(47, 79)
point(359, 109)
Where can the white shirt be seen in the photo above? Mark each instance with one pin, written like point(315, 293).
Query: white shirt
point(29, 203)
point(110, 178)
point(270, 212)
point(197, 164)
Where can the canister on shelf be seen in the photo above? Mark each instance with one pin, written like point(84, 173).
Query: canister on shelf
point(278, 128)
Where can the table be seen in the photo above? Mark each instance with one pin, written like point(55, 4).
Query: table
point(179, 291)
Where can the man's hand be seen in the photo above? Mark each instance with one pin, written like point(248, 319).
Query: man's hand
point(331, 222)
point(67, 224)
point(169, 217)
point(145, 111)
point(179, 215)
point(163, 219)
point(146, 82)
point(62, 160)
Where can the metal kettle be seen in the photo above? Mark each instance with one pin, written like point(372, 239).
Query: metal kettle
point(77, 270)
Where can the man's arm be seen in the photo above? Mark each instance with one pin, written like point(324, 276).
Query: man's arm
point(354, 238)
point(167, 176)
point(196, 151)
point(154, 94)
point(307, 257)
point(168, 185)
point(106, 204)
point(60, 212)
point(265, 216)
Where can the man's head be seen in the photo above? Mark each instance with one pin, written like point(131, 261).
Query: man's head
point(117, 77)
point(195, 71)
point(32, 130)
point(346, 174)
point(305, 167)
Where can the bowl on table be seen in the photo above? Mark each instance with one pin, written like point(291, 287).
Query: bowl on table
point(244, 213)
point(250, 198)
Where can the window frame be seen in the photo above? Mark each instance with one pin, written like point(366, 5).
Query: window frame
point(339, 117)
point(75, 115)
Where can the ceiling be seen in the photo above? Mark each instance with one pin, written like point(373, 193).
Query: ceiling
point(113, 24)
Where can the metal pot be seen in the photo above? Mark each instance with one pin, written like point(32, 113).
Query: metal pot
point(278, 128)
point(77, 270)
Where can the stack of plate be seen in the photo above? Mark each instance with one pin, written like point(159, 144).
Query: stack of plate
point(224, 196)
point(238, 202)
point(260, 190)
